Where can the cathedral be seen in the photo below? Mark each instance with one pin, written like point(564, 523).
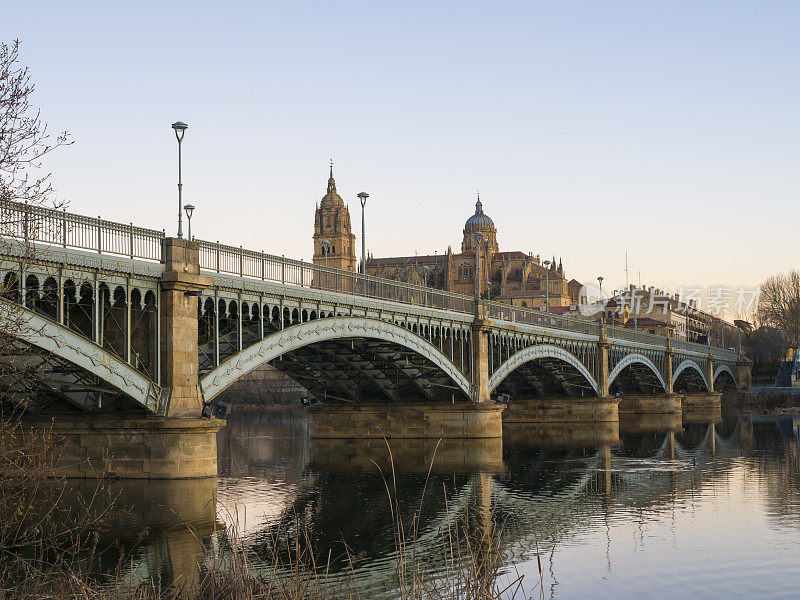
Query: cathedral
point(334, 242)
point(513, 277)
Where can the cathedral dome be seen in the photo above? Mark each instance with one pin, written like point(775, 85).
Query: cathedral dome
point(479, 221)
point(331, 199)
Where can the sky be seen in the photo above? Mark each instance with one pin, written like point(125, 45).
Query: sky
point(667, 130)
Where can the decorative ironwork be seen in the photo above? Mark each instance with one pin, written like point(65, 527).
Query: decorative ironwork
point(60, 228)
point(231, 260)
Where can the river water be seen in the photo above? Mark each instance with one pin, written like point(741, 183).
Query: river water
point(703, 506)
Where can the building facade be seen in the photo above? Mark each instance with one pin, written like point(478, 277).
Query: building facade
point(334, 242)
point(513, 277)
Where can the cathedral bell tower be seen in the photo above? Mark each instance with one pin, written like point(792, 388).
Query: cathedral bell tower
point(332, 224)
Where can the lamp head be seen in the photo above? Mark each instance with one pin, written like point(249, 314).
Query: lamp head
point(546, 263)
point(180, 128)
point(600, 280)
point(189, 208)
point(363, 197)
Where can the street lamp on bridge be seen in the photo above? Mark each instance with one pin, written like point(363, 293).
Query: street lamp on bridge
point(547, 286)
point(189, 208)
point(478, 244)
point(363, 197)
point(602, 307)
point(180, 129)
point(326, 249)
point(425, 269)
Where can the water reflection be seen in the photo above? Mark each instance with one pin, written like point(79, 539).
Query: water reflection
point(408, 456)
point(611, 509)
point(160, 529)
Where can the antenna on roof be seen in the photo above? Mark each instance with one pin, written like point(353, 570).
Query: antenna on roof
point(626, 269)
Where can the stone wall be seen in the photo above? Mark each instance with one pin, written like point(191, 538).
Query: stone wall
point(133, 448)
point(651, 404)
point(693, 400)
point(561, 410)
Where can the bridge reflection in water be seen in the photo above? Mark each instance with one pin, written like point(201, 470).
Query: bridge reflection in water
point(565, 490)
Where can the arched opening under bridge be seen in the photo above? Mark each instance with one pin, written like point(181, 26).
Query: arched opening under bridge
point(349, 360)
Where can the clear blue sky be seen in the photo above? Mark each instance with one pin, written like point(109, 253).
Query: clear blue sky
point(669, 129)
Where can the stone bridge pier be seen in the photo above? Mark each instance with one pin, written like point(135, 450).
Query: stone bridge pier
point(176, 445)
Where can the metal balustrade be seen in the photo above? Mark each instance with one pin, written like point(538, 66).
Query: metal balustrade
point(60, 228)
point(516, 314)
point(688, 346)
point(527, 316)
point(629, 335)
point(266, 267)
point(724, 353)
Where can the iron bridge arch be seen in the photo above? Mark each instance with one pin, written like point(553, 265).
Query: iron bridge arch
point(689, 364)
point(538, 352)
point(633, 360)
point(725, 369)
point(345, 355)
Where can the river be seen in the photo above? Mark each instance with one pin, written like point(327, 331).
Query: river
point(653, 508)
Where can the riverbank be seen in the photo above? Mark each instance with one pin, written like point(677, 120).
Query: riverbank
point(763, 399)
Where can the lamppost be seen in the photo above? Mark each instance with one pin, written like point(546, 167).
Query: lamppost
point(326, 249)
point(363, 197)
point(687, 322)
point(600, 281)
point(547, 286)
point(180, 129)
point(425, 269)
point(478, 244)
point(189, 208)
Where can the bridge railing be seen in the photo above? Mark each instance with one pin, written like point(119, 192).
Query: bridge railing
point(631, 335)
point(689, 346)
point(621, 333)
point(527, 316)
point(724, 354)
point(231, 260)
point(60, 228)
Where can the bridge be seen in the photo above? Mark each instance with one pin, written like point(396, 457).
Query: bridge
point(136, 331)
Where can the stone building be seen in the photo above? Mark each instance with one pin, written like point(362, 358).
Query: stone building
point(513, 277)
point(332, 225)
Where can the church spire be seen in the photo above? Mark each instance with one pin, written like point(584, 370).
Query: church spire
point(331, 182)
point(479, 205)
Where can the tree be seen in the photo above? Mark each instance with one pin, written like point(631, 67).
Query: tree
point(779, 305)
point(25, 186)
point(39, 533)
point(24, 139)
